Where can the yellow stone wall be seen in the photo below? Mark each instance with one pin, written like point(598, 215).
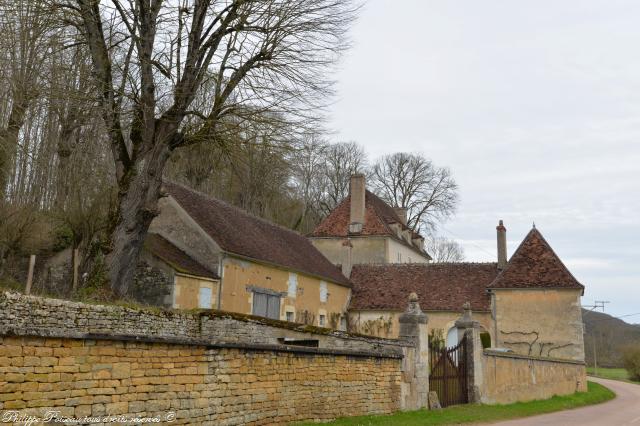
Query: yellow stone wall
point(186, 292)
point(238, 274)
point(79, 377)
point(537, 322)
point(365, 249)
point(508, 379)
point(400, 253)
point(368, 249)
point(385, 323)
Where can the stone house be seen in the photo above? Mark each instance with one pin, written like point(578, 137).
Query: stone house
point(376, 232)
point(529, 304)
point(215, 255)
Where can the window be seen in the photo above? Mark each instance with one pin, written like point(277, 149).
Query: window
point(324, 293)
point(266, 305)
point(293, 285)
point(399, 257)
point(322, 320)
point(204, 298)
point(290, 316)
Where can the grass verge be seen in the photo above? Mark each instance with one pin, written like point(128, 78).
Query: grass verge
point(474, 413)
point(611, 373)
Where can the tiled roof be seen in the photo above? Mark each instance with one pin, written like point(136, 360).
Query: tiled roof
point(176, 258)
point(440, 286)
point(377, 220)
point(238, 232)
point(535, 265)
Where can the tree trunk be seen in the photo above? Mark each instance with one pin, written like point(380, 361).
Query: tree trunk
point(9, 141)
point(139, 192)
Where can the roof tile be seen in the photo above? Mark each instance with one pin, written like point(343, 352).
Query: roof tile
point(440, 286)
point(378, 217)
point(241, 233)
point(535, 265)
point(176, 258)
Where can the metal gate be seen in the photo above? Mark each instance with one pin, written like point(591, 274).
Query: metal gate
point(448, 375)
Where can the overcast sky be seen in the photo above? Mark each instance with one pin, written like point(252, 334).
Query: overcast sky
point(535, 107)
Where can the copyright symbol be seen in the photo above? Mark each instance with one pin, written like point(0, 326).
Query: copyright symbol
point(171, 416)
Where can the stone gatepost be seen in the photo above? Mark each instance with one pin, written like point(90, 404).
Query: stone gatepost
point(470, 328)
point(415, 368)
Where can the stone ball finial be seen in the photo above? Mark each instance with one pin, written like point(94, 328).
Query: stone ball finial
point(413, 297)
point(466, 306)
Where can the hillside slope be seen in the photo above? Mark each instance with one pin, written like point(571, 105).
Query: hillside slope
point(610, 335)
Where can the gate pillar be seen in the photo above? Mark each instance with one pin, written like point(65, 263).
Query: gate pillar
point(413, 328)
point(470, 328)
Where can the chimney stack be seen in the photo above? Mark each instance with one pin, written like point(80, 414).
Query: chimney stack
point(502, 245)
point(357, 191)
point(402, 214)
point(347, 262)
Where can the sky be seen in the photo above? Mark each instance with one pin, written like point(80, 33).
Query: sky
point(535, 108)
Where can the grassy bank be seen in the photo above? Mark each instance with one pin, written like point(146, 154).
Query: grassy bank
point(611, 373)
point(473, 413)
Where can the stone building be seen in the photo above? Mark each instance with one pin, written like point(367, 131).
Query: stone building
point(167, 276)
point(376, 232)
point(529, 304)
point(215, 255)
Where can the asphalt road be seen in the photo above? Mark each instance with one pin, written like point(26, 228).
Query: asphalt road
point(623, 410)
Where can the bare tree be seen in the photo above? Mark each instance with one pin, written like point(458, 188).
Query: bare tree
point(411, 181)
point(308, 167)
point(27, 31)
point(152, 59)
point(444, 250)
point(341, 161)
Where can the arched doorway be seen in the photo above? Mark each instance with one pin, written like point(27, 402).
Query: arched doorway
point(452, 337)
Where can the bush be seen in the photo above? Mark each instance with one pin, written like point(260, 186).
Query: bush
point(485, 338)
point(631, 361)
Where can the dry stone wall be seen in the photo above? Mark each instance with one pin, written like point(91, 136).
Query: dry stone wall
point(204, 367)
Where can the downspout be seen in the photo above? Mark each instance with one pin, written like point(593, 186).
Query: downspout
point(221, 274)
point(494, 314)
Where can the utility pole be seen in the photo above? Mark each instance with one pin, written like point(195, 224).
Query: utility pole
point(598, 304)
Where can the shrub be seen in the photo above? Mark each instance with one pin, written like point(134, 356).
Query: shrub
point(485, 338)
point(631, 361)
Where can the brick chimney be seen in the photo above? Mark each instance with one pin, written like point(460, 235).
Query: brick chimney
point(356, 191)
point(502, 245)
point(347, 262)
point(402, 214)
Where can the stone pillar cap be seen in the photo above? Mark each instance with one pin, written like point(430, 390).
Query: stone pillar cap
point(413, 313)
point(466, 320)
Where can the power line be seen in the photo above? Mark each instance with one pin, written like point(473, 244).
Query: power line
point(467, 241)
point(614, 318)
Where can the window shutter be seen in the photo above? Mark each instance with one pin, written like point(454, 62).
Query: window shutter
point(324, 293)
point(293, 284)
point(260, 304)
point(204, 298)
point(273, 307)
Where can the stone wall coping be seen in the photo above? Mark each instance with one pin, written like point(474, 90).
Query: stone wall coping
point(489, 352)
point(192, 327)
point(208, 344)
point(303, 328)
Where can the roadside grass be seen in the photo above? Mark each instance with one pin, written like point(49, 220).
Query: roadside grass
point(474, 413)
point(611, 373)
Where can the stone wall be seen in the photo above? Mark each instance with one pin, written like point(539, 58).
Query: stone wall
point(508, 378)
point(191, 384)
point(204, 367)
point(153, 282)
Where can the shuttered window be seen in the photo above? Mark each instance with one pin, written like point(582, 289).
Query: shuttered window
point(293, 285)
point(324, 293)
point(204, 298)
point(266, 305)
